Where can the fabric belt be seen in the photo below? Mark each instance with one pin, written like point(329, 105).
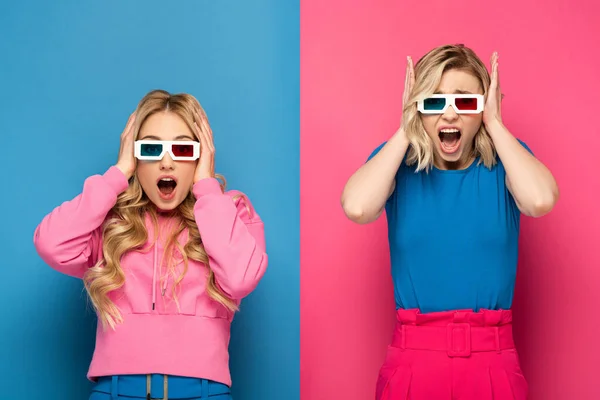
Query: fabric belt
point(159, 387)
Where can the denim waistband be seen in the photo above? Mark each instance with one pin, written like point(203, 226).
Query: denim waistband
point(177, 387)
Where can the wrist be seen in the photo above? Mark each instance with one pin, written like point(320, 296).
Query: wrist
point(204, 186)
point(125, 171)
point(199, 178)
point(400, 137)
point(494, 126)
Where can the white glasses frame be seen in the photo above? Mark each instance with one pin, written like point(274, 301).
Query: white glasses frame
point(450, 101)
point(167, 147)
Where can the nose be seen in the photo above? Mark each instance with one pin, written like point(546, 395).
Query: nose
point(167, 162)
point(450, 114)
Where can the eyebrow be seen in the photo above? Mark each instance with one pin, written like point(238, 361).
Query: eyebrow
point(153, 137)
point(455, 92)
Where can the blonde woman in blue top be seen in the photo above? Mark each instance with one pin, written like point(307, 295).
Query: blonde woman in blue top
point(454, 182)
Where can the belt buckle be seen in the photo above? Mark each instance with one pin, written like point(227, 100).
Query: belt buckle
point(459, 339)
point(149, 388)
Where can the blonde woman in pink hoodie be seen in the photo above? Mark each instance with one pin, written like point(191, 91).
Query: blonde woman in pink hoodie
point(166, 255)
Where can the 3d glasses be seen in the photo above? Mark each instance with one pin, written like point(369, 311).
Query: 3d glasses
point(462, 103)
point(153, 150)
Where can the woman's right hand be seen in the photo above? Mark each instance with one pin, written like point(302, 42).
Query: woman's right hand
point(409, 82)
point(127, 162)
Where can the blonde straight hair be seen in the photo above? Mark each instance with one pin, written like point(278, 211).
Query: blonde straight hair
point(125, 229)
point(428, 74)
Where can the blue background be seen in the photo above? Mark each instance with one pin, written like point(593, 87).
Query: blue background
point(71, 73)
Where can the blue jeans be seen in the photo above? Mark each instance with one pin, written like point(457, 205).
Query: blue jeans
point(126, 387)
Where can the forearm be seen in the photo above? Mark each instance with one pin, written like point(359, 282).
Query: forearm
point(233, 237)
point(367, 190)
point(531, 183)
point(68, 238)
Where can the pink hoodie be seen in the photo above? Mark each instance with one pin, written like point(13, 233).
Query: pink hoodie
point(156, 337)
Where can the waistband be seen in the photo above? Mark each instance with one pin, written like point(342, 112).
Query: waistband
point(159, 386)
point(459, 333)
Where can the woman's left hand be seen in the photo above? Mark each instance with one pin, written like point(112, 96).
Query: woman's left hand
point(206, 164)
point(492, 109)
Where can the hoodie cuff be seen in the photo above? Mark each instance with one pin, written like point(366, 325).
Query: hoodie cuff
point(206, 186)
point(116, 180)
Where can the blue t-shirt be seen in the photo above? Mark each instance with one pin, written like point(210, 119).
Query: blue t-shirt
point(453, 238)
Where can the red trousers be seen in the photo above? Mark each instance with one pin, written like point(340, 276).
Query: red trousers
point(455, 355)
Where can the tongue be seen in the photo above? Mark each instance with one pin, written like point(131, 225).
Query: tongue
point(166, 189)
point(449, 141)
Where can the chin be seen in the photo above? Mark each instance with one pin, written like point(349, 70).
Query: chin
point(452, 161)
point(165, 207)
point(454, 157)
point(166, 204)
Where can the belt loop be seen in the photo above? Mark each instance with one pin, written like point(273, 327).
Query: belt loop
point(497, 334)
point(114, 388)
point(148, 387)
point(166, 388)
point(403, 337)
point(204, 392)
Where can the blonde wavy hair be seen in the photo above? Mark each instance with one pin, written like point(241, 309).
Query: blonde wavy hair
point(125, 229)
point(428, 74)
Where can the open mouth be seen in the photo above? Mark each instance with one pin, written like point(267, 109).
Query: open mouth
point(449, 139)
point(166, 186)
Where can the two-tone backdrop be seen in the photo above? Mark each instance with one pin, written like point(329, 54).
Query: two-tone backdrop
point(298, 93)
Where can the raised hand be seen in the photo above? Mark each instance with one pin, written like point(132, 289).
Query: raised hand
point(409, 82)
point(127, 161)
point(206, 164)
point(492, 111)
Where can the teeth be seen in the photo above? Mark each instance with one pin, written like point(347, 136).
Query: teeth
point(449, 131)
point(166, 179)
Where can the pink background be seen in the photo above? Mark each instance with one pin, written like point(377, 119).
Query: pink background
point(352, 72)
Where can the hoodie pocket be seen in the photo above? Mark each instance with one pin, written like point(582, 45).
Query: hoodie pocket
point(193, 300)
point(149, 287)
point(137, 290)
point(192, 295)
point(183, 301)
